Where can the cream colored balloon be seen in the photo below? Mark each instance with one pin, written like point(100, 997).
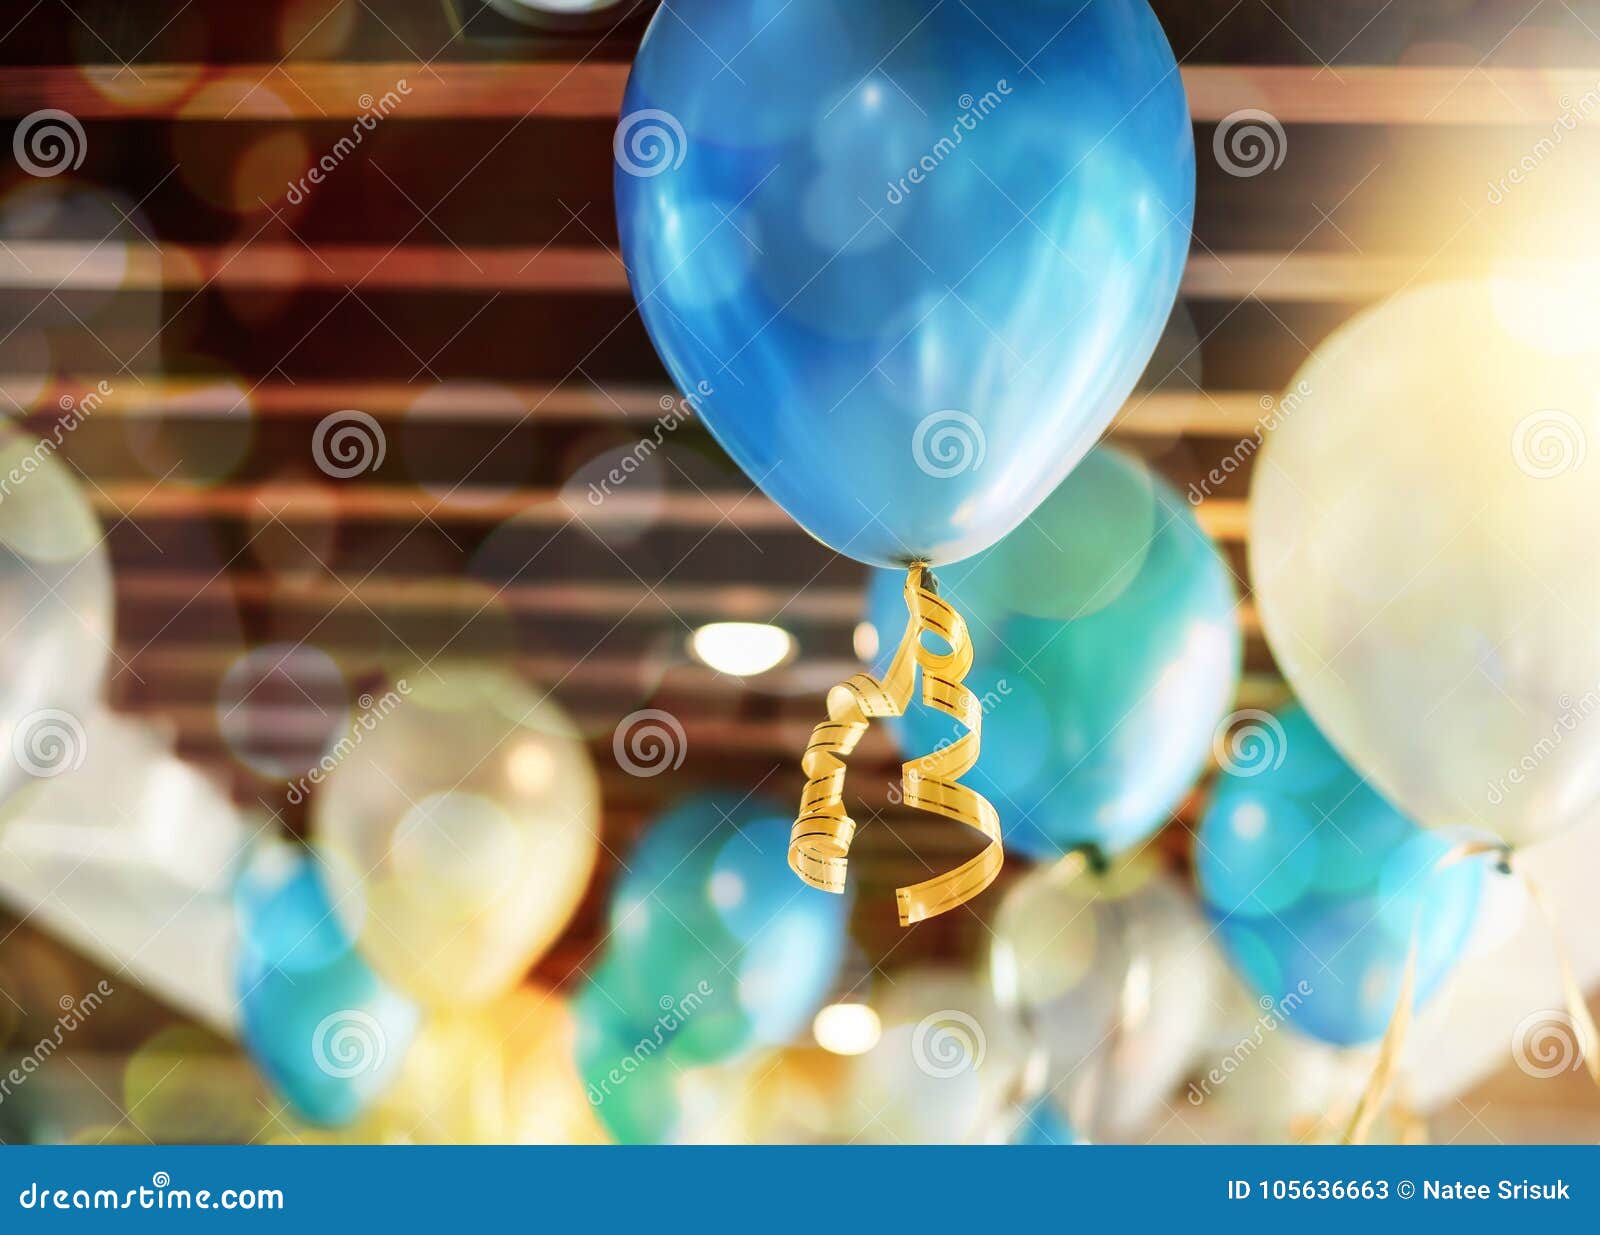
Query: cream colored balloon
point(468, 815)
point(500, 1075)
point(1423, 523)
point(949, 1061)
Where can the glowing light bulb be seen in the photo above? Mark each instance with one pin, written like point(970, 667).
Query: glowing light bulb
point(847, 1028)
point(743, 649)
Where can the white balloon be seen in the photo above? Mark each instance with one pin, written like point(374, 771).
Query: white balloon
point(1117, 977)
point(56, 608)
point(128, 855)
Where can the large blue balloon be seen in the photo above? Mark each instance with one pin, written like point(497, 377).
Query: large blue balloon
point(1106, 652)
point(1318, 884)
point(908, 259)
point(320, 1024)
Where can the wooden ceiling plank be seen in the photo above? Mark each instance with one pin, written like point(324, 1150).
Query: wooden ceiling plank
point(70, 266)
point(303, 90)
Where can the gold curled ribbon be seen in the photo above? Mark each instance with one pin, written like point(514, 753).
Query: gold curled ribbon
point(1377, 1088)
point(819, 846)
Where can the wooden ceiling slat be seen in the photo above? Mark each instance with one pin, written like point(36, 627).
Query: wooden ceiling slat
point(75, 266)
point(1404, 94)
point(175, 664)
point(1163, 413)
point(1224, 518)
point(572, 599)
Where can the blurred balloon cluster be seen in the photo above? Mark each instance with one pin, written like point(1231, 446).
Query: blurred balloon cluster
point(714, 951)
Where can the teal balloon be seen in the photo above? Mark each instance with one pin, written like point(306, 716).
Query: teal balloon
point(326, 1031)
point(1318, 885)
point(907, 259)
point(711, 931)
point(1106, 649)
point(630, 1082)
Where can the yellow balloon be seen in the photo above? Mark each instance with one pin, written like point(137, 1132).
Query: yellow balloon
point(466, 819)
point(1423, 522)
point(500, 1075)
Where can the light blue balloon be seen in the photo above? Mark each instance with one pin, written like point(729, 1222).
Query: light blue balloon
point(325, 1030)
point(711, 932)
point(908, 259)
point(1106, 650)
point(1318, 884)
point(1042, 1124)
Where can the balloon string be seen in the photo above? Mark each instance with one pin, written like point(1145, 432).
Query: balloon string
point(819, 846)
point(1376, 1092)
point(1577, 1006)
point(1372, 1098)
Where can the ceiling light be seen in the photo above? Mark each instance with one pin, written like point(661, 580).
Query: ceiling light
point(743, 649)
point(847, 1028)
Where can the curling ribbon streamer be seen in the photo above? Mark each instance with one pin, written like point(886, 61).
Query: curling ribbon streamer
point(819, 846)
point(1583, 1025)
